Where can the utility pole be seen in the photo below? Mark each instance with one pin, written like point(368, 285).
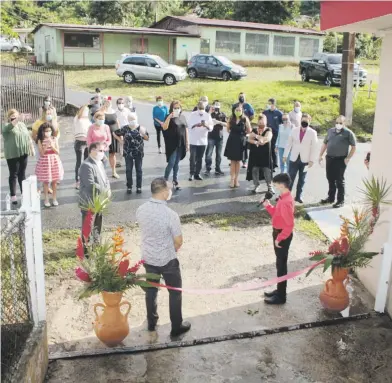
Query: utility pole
point(347, 81)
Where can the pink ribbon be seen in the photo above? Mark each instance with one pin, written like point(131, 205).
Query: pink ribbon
point(247, 287)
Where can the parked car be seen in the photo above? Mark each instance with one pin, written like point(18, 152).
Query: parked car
point(10, 44)
point(214, 66)
point(134, 67)
point(327, 67)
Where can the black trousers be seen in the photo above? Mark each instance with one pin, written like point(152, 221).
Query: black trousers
point(196, 159)
point(273, 153)
point(171, 273)
point(335, 168)
point(159, 131)
point(17, 169)
point(81, 149)
point(97, 226)
point(281, 260)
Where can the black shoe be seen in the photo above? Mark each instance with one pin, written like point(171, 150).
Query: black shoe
point(139, 190)
point(190, 177)
point(326, 201)
point(275, 300)
point(270, 294)
point(186, 326)
point(152, 327)
point(129, 191)
point(337, 205)
point(207, 173)
point(198, 177)
point(176, 186)
point(219, 173)
point(299, 200)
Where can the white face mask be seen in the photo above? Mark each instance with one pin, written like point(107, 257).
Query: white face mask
point(46, 103)
point(268, 107)
point(297, 109)
point(217, 106)
point(160, 103)
point(129, 104)
point(100, 122)
point(100, 156)
point(176, 112)
point(201, 112)
point(205, 103)
point(132, 125)
point(85, 113)
point(49, 117)
point(169, 195)
point(120, 106)
point(338, 126)
point(48, 134)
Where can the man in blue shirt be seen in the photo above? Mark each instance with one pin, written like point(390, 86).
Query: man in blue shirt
point(159, 115)
point(250, 113)
point(274, 119)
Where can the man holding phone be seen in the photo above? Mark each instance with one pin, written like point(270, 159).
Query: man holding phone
point(199, 125)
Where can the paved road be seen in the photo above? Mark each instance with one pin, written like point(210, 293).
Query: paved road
point(211, 195)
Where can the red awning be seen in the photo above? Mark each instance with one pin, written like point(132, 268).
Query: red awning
point(338, 13)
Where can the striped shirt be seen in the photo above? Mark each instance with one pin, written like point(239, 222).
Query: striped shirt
point(159, 225)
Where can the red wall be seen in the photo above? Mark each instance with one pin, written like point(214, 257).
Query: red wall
point(337, 13)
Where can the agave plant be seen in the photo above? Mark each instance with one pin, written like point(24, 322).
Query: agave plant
point(347, 250)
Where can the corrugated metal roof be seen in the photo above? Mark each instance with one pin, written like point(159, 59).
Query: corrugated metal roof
point(113, 29)
point(242, 25)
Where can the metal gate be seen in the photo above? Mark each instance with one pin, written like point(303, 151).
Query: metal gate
point(24, 86)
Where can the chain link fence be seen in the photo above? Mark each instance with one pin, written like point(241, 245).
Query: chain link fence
point(16, 318)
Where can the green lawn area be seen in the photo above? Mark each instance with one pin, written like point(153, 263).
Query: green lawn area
point(262, 83)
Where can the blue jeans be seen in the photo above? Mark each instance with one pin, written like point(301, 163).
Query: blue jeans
point(138, 161)
point(172, 164)
point(281, 164)
point(218, 143)
point(298, 166)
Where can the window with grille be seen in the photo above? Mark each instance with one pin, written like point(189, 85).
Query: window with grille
point(256, 44)
point(308, 46)
point(228, 42)
point(82, 40)
point(139, 46)
point(284, 46)
point(205, 46)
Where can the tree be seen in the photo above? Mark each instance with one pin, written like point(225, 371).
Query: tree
point(310, 8)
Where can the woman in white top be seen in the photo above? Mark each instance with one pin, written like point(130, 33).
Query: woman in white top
point(48, 105)
point(281, 142)
point(295, 115)
point(81, 124)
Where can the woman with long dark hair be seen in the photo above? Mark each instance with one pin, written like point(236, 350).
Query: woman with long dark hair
point(175, 133)
point(238, 127)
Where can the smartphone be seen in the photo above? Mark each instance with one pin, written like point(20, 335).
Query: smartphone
point(203, 122)
point(368, 157)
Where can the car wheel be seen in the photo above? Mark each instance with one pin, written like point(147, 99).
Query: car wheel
point(192, 73)
point(169, 79)
point(328, 80)
point(129, 77)
point(226, 76)
point(15, 49)
point(304, 76)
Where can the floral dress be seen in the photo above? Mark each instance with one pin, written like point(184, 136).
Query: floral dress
point(49, 167)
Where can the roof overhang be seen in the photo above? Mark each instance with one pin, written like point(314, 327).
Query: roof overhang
point(356, 16)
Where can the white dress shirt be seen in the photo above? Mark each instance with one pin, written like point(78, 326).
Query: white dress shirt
point(198, 135)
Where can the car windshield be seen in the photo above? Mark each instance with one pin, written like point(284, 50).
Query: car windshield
point(224, 60)
point(161, 62)
point(335, 59)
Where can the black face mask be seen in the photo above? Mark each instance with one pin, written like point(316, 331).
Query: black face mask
point(241, 99)
point(304, 124)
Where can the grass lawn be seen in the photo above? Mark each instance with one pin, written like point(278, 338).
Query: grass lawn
point(262, 83)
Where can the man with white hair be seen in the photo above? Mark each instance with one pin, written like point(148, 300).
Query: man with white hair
point(295, 115)
point(204, 100)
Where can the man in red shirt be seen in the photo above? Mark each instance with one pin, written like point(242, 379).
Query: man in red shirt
point(283, 224)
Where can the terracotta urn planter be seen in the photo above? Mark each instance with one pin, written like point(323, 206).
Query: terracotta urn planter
point(111, 327)
point(335, 296)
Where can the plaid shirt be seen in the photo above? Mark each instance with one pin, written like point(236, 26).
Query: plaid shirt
point(133, 141)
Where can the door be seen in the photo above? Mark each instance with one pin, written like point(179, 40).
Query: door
point(205, 46)
point(214, 67)
point(154, 70)
point(136, 65)
point(47, 49)
point(320, 69)
point(174, 51)
point(201, 66)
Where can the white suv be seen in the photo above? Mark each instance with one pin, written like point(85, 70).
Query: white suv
point(133, 67)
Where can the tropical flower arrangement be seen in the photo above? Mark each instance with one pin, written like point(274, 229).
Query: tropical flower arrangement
point(104, 266)
point(347, 250)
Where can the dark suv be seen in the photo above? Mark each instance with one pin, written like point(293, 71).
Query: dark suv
point(214, 66)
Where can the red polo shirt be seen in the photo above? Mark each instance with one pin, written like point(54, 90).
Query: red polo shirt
point(283, 215)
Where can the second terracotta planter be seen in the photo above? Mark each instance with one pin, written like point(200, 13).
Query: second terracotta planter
point(335, 296)
point(111, 327)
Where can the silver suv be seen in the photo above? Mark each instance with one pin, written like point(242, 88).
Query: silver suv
point(134, 67)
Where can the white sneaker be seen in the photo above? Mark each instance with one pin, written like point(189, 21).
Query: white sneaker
point(259, 189)
point(55, 203)
point(251, 188)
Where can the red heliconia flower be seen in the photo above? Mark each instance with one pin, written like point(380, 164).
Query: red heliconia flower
point(316, 252)
point(344, 245)
point(334, 247)
point(87, 224)
point(82, 275)
point(80, 249)
point(137, 266)
point(123, 267)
